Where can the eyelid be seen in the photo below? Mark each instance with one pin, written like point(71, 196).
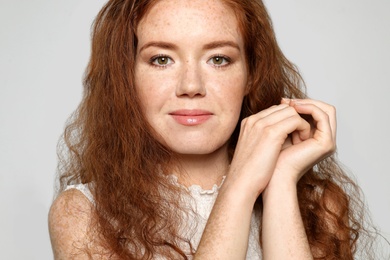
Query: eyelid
point(227, 59)
point(155, 57)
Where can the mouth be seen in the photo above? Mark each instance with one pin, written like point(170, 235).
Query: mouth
point(191, 117)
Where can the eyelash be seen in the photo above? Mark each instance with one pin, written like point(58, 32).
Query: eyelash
point(225, 62)
point(153, 61)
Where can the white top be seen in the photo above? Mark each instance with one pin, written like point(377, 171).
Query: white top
point(201, 202)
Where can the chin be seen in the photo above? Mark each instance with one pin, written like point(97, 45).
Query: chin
point(197, 149)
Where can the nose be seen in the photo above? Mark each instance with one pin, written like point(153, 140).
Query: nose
point(191, 82)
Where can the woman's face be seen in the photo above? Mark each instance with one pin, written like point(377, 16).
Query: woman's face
point(191, 74)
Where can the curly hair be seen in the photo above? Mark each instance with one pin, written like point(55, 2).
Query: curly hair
point(109, 144)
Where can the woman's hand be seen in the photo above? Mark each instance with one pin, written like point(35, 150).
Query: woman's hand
point(260, 143)
point(275, 147)
point(279, 144)
point(299, 154)
point(281, 221)
point(262, 138)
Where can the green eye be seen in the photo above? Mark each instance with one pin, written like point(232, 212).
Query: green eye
point(217, 60)
point(162, 60)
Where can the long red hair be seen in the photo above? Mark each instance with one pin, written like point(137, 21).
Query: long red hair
point(109, 144)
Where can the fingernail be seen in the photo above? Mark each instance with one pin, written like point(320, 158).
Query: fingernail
point(295, 102)
point(286, 100)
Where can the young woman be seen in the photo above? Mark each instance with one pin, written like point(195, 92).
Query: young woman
point(195, 140)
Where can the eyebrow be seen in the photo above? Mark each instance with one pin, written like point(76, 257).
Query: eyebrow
point(219, 44)
point(163, 45)
point(208, 46)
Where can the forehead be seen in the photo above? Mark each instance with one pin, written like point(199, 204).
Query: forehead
point(190, 18)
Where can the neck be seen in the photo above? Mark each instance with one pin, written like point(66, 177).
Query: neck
point(204, 170)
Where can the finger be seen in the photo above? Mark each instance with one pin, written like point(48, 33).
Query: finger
point(252, 120)
point(277, 115)
point(328, 109)
point(287, 143)
point(297, 138)
point(285, 101)
point(273, 114)
point(268, 111)
point(293, 124)
point(320, 117)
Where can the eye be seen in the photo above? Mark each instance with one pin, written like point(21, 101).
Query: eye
point(161, 60)
point(219, 60)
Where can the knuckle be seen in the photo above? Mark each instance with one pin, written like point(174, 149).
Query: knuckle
point(269, 132)
point(250, 120)
point(291, 110)
point(244, 122)
point(258, 127)
point(330, 110)
point(326, 116)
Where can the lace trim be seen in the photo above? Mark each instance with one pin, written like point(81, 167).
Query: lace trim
point(193, 189)
point(84, 189)
point(197, 189)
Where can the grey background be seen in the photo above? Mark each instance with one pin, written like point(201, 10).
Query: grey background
point(341, 46)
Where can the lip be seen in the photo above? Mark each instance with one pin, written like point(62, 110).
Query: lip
point(191, 117)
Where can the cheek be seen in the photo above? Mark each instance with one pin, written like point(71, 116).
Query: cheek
point(145, 92)
point(231, 91)
point(152, 89)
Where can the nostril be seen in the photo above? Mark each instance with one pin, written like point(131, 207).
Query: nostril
point(191, 84)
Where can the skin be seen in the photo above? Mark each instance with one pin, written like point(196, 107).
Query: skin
point(179, 66)
point(266, 163)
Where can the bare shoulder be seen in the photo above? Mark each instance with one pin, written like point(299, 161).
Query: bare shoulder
point(69, 220)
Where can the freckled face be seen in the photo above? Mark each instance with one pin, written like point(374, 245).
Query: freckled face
point(191, 74)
